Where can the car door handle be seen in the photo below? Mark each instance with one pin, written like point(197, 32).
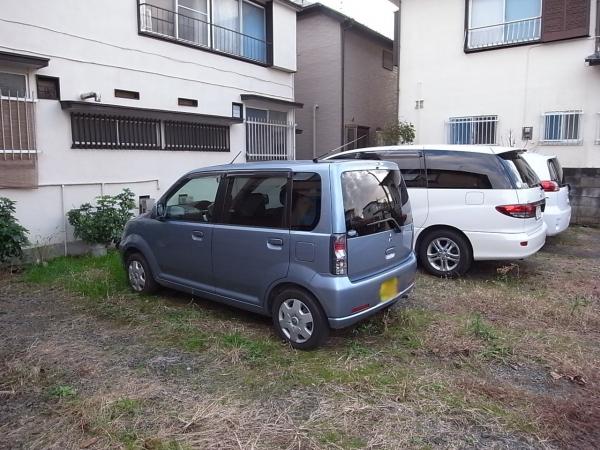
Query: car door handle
point(275, 243)
point(390, 253)
point(197, 235)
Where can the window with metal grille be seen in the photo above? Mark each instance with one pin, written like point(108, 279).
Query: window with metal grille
point(196, 136)
point(118, 132)
point(473, 130)
point(562, 127)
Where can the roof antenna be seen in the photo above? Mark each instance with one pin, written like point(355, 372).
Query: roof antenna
point(236, 157)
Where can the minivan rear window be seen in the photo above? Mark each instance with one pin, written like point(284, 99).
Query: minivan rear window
point(374, 201)
point(556, 172)
point(520, 171)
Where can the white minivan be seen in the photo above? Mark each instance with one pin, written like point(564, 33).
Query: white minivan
point(468, 203)
point(557, 214)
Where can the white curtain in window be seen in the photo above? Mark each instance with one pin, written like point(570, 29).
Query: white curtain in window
point(226, 15)
point(488, 14)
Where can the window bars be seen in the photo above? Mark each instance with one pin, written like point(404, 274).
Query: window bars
point(17, 126)
point(268, 139)
point(481, 130)
point(562, 127)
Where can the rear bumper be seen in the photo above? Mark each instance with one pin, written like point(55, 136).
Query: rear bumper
point(499, 246)
point(343, 322)
point(557, 220)
point(339, 295)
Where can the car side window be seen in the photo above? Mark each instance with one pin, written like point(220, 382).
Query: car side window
point(411, 167)
point(306, 201)
point(464, 170)
point(256, 201)
point(194, 201)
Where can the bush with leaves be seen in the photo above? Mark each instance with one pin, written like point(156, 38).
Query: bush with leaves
point(103, 223)
point(398, 133)
point(13, 237)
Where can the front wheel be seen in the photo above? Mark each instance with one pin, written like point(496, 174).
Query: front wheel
point(299, 319)
point(445, 253)
point(139, 274)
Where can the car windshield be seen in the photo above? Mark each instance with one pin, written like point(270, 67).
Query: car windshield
point(374, 201)
point(520, 171)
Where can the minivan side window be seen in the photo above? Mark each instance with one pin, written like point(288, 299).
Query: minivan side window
point(306, 201)
point(411, 167)
point(194, 201)
point(256, 201)
point(464, 170)
point(373, 201)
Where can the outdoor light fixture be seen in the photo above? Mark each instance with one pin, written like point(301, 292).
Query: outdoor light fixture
point(237, 110)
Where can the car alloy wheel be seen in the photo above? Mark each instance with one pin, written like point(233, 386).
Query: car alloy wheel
point(296, 321)
point(137, 275)
point(443, 254)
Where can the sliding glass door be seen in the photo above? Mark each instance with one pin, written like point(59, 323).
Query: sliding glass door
point(253, 26)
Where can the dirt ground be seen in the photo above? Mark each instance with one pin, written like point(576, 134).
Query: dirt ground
point(507, 357)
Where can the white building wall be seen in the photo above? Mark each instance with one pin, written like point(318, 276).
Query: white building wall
point(518, 84)
point(95, 46)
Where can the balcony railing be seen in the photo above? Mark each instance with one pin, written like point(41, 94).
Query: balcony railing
point(197, 32)
point(514, 32)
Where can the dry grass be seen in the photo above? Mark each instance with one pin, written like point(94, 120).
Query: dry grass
point(506, 357)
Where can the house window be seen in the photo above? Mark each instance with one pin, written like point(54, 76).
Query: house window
point(104, 131)
point(13, 85)
point(388, 60)
point(267, 135)
point(17, 117)
point(48, 88)
point(187, 102)
point(597, 129)
point(562, 127)
point(236, 27)
point(473, 130)
point(495, 23)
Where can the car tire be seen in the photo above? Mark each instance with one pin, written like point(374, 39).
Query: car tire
point(445, 253)
point(139, 274)
point(299, 319)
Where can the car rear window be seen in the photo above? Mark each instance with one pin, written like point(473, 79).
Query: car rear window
point(374, 201)
point(520, 171)
point(556, 172)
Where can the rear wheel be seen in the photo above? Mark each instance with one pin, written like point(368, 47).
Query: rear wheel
point(445, 253)
point(139, 274)
point(299, 319)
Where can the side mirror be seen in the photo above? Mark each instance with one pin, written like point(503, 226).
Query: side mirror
point(160, 210)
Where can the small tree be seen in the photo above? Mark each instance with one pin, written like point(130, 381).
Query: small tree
point(13, 237)
point(398, 133)
point(103, 224)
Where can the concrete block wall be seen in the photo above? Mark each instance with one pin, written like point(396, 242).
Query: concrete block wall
point(585, 195)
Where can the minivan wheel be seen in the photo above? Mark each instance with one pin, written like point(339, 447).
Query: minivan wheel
point(139, 274)
point(445, 253)
point(299, 319)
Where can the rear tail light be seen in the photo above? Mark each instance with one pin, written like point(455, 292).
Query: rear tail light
point(550, 186)
point(524, 211)
point(339, 255)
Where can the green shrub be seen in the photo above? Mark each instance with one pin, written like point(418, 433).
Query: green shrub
point(103, 223)
point(398, 133)
point(13, 237)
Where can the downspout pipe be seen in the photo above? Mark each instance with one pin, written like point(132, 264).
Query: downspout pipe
point(314, 130)
point(594, 59)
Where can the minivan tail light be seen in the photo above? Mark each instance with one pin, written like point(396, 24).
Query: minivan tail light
point(550, 186)
point(339, 255)
point(522, 211)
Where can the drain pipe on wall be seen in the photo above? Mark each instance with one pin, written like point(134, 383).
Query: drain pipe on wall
point(314, 130)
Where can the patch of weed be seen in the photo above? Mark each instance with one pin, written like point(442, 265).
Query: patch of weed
point(62, 391)
point(124, 407)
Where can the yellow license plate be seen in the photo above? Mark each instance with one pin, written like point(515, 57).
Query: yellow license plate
point(388, 289)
